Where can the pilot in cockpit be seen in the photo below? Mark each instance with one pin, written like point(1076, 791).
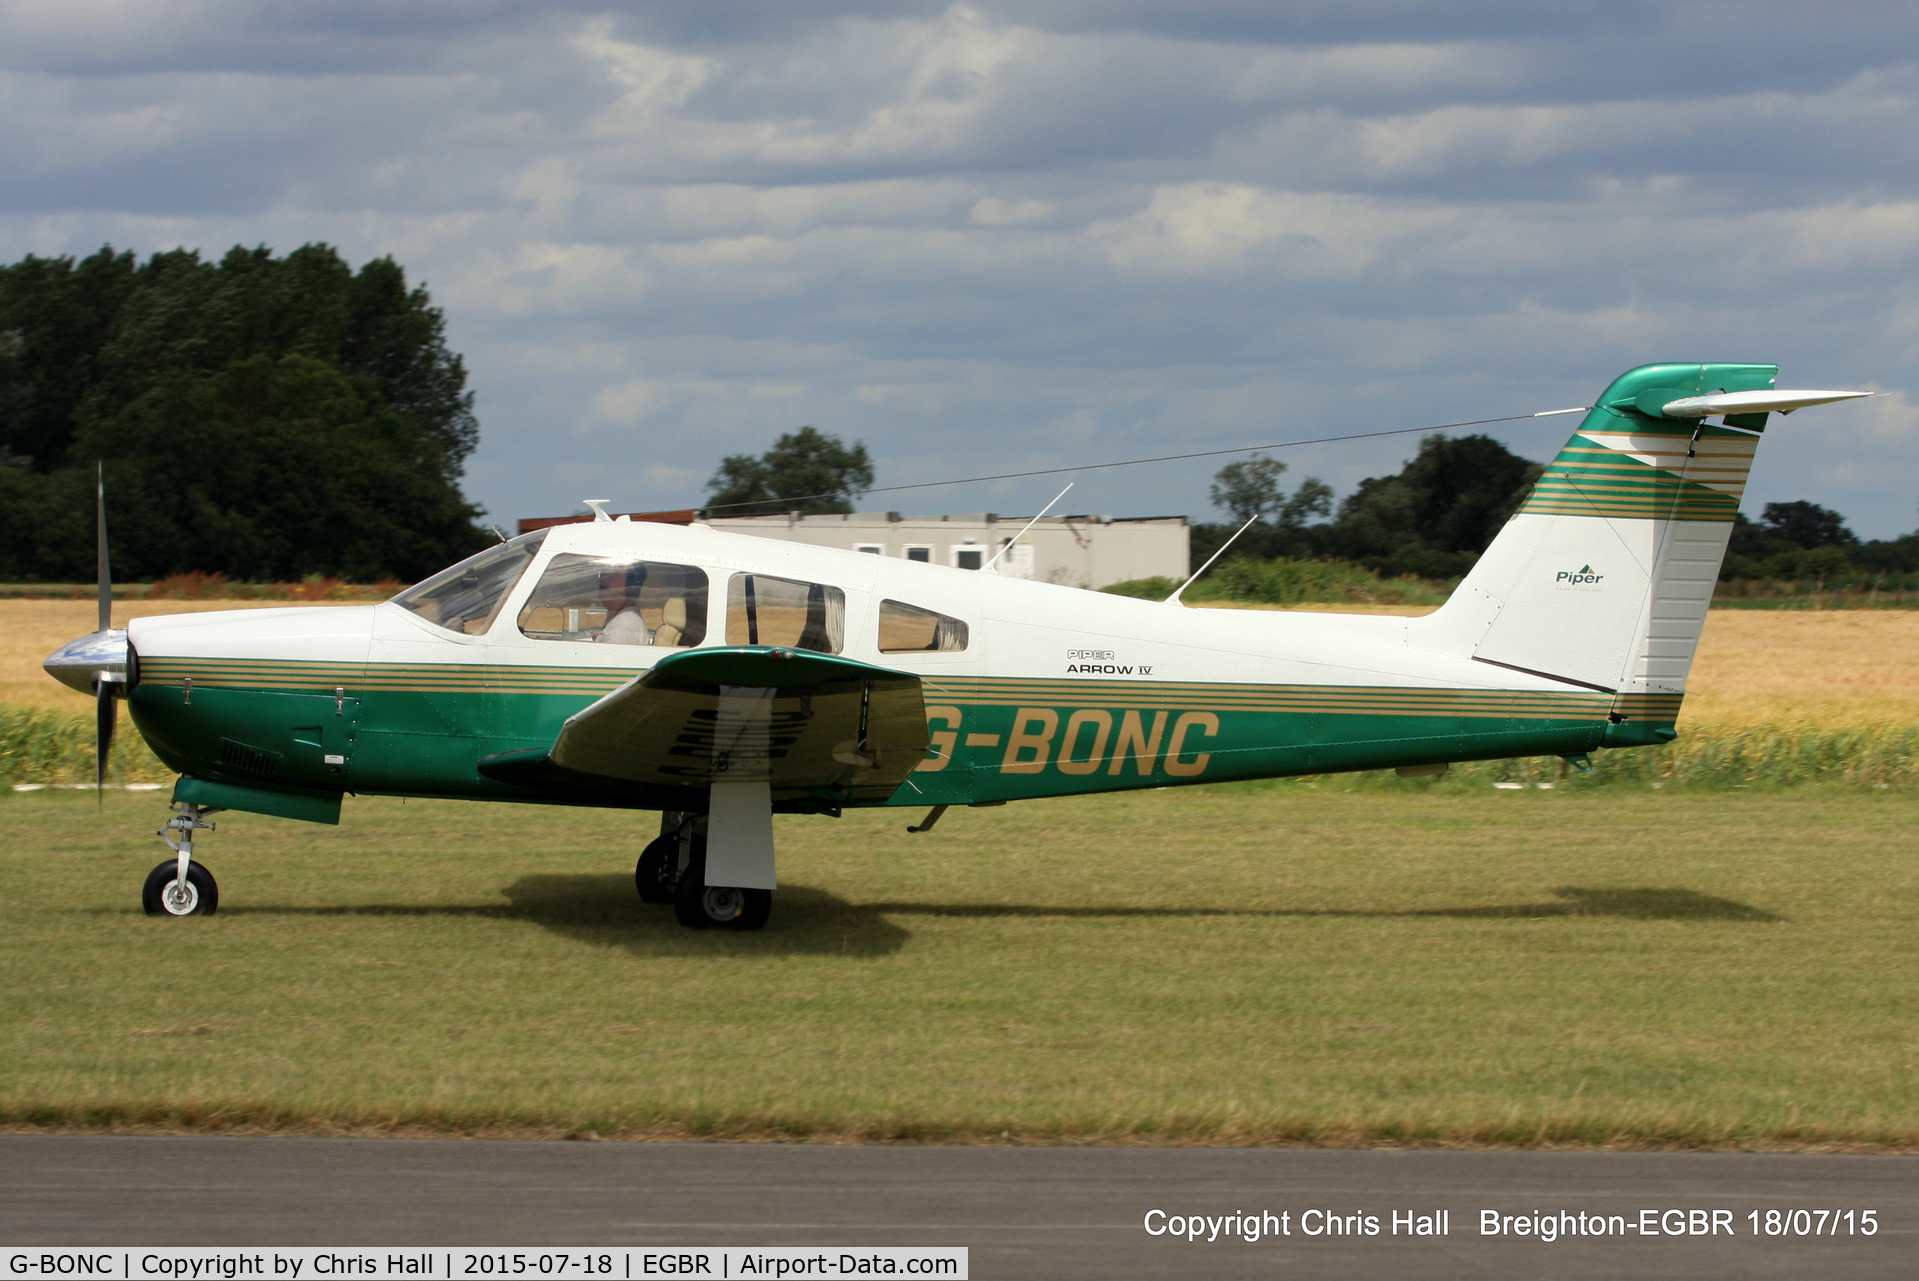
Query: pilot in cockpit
point(620, 594)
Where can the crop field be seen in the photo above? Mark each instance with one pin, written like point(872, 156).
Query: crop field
point(1727, 959)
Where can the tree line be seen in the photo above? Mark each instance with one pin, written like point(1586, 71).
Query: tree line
point(1434, 517)
point(1431, 519)
point(265, 417)
point(274, 418)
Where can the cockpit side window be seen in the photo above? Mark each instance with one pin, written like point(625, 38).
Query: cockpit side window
point(465, 598)
point(763, 610)
point(908, 629)
point(617, 600)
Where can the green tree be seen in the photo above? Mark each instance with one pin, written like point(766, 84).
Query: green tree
point(805, 471)
point(1250, 487)
point(1800, 539)
point(1438, 513)
point(1807, 524)
point(56, 318)
point(262, 416)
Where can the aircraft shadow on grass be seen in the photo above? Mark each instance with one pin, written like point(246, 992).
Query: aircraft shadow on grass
point(601, 909)
point(1646, 904)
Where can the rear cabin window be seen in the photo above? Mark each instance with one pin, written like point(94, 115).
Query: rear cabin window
point(908, 629)
point(762, 610)
point(617, 600)
point(465, 598)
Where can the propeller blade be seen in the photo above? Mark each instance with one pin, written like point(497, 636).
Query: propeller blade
point(106, 577)
point(104, 715)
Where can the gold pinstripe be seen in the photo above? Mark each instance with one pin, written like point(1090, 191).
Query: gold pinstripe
point(1652, 707)
point(1344, 700)
point(1637, 476)
point(421, 678)
point(964, 691)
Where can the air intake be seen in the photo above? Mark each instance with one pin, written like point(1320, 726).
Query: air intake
point(242, 759)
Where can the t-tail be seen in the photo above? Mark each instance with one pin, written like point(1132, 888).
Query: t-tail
point(1603, 576)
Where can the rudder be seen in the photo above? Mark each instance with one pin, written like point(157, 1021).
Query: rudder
point(1603, 577)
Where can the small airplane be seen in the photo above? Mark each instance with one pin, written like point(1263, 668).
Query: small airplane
point(720, 678)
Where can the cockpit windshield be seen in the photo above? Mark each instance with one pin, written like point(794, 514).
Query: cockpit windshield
point(465, 598)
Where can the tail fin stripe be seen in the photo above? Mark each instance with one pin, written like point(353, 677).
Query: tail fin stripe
point(1604, 575)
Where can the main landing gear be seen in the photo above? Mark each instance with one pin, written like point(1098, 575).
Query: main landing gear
point(180, 886)
point(672, 869)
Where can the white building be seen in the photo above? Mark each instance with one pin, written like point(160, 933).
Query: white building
point(1079, 551)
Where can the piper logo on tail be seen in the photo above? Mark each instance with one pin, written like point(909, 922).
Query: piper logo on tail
point(1581, 579)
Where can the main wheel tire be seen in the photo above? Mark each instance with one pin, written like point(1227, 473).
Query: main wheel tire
point(658, 865)
point(201, 898)
point(700, 906)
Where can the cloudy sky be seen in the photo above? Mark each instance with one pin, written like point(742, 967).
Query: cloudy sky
point(987, 238)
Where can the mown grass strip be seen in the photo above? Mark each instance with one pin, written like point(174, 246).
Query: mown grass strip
point(1236, 965)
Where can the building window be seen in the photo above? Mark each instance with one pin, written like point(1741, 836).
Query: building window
point(762, 610)
point(878, 549)
point(617, 600)
point(921, 552)
point(968, 557)
point(908, 629)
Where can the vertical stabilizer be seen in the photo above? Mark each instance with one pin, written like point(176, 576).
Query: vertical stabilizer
point(1603, 576)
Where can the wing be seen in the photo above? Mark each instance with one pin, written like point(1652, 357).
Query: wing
point(817, 728)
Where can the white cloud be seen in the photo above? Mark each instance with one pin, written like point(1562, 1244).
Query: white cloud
point(1219, 227)
point(652, 82)
point(991, 211)
point(984, 239)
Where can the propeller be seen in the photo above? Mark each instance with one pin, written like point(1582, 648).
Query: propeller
point(105, 713)
point(98, 663)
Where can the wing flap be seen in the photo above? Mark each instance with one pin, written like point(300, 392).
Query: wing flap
point(803, 722)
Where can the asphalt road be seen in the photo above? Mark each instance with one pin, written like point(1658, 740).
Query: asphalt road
point(1023, 1212)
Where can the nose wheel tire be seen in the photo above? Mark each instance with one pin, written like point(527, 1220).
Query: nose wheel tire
point(164, 896)
point(700, 906)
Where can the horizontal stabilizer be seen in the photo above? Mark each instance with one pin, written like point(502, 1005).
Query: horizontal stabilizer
point(1753, 402)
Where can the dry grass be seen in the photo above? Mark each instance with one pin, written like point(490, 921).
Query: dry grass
point(1833, 667)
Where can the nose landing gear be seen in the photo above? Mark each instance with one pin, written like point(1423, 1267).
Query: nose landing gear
point(179, 886)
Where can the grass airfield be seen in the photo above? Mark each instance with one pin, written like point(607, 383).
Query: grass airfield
point(1297, 962)
point(1331, 961)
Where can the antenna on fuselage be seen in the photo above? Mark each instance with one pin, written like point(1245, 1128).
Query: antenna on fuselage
point(599, 508)
point(1022, 533)
point(1174, 598)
